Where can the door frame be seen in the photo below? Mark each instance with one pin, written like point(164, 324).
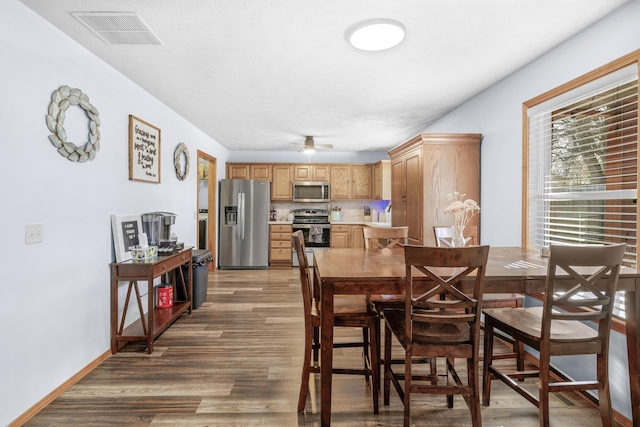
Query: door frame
point(212, 205)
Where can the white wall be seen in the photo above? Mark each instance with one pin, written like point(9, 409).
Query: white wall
point(55, 315)
point(497, 114)
point(329, 156)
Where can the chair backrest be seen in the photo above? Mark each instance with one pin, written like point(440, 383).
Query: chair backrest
point(384, 237)
point(297, 241)
point(444, 234)
point(566, 297)
point(440, 299)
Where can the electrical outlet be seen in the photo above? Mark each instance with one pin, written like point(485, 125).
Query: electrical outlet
point(33, 233)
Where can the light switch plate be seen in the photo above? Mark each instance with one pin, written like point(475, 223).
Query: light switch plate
point(33, 233)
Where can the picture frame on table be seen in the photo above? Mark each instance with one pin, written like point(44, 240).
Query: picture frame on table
point(126, 230)
point(144, 151)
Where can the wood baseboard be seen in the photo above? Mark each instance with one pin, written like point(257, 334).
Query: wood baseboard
point(22, 419)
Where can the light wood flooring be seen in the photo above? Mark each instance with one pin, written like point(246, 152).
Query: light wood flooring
point(236, 361)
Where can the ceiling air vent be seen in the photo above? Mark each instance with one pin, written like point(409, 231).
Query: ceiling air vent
point(118, 27)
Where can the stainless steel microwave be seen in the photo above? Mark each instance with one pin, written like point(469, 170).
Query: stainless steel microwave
point(308, 191)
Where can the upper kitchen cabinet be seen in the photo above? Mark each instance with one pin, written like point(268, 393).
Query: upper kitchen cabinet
point(424, 171)
point(281, 188)
point(311, 172)
point(382, 180)
point(248, 171)
point(351, 181)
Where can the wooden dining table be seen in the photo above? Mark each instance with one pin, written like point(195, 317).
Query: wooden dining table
point(509, 270)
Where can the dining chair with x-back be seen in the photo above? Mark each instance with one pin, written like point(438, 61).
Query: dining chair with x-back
point(571, 297)
point(438, 321)
point(443, 235)
point(385, 238)
point(351, 311)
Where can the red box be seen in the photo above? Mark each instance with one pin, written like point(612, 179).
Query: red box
point(164, 297)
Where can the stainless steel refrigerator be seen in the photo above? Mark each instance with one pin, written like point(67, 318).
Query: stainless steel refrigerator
point(244, 224)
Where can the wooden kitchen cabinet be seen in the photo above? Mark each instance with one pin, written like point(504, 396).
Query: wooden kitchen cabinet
point(351, 181)
point(280, 254)
point(357, 237)
point(347, 236)
point(281, 183)
point(424, 170)
point(382, 180)
point(311, 172)
point(248, 171)
point(340, 236)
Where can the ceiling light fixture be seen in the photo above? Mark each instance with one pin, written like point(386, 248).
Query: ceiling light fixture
point(375, 34)
point(308, 151)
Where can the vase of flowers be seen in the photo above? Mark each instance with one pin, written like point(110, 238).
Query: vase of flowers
point(462, 210)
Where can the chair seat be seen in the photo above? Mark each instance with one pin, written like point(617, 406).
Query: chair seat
point(529, 322)
point(348, 305)
point(428, 333)
point(490, 300)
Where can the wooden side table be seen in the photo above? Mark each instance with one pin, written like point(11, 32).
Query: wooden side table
point(157, 320)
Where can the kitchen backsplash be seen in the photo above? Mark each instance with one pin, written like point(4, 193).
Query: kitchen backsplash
point(351, 210)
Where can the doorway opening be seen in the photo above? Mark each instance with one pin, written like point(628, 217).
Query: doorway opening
point(207, 205)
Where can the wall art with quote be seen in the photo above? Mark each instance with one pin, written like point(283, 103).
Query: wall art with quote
point(144, 151)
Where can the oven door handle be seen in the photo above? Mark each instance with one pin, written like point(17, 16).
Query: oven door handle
point(309, 225)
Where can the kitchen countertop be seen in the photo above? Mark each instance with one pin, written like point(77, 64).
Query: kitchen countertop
point(361, 222)
point(351, 222)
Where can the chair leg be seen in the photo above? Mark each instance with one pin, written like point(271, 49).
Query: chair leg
point(306, 369)
point(375, 363)
point(407, 390)
point(365, 350)
point(450, 368)
point(543, 390)
point(487, 360)
point(387, 365)
point(474, 399)
point(604, 393)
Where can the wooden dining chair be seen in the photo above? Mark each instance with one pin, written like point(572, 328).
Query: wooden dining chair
point(443, 235)
point(351, 311)
point(385, 238)
point(431, 326)
point(557, 329)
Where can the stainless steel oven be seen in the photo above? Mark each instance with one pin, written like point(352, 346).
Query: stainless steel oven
point(315, 226)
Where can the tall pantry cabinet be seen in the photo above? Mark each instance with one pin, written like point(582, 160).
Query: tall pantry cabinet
point(424, 171)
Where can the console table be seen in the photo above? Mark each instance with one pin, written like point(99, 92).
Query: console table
point(149, 327)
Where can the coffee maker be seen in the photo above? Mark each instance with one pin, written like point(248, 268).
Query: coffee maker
point(157, 226)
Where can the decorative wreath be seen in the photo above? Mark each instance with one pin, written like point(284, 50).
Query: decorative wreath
point(180, 150)
point(61, 99)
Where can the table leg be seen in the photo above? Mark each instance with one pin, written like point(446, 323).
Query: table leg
point(150, 310)
point(326, 356)
point(114, 310)
point(632, 304)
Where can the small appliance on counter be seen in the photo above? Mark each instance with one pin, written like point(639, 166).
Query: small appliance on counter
point(273, 213)
point(367, 214)
point(157, 226)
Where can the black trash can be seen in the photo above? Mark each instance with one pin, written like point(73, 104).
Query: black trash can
point(200, 259)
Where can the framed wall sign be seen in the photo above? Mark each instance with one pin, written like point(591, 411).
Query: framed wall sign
point(126, 230)
point(144, 151)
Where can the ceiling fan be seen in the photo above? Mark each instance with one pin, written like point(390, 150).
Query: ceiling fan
point(309, 145)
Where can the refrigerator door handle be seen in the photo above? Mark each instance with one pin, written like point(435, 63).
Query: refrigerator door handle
point(241, 216)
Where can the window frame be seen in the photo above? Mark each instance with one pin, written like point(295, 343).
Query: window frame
point(618, 64)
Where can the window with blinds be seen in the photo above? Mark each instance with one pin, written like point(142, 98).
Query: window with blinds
point(582, 172)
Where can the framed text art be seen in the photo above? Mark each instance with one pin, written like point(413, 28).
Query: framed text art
point(126, 230)
point(144, 151)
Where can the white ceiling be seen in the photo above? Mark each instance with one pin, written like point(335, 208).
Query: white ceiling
point(262, 74)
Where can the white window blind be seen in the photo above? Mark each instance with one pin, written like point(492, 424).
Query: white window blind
point(582, 166)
